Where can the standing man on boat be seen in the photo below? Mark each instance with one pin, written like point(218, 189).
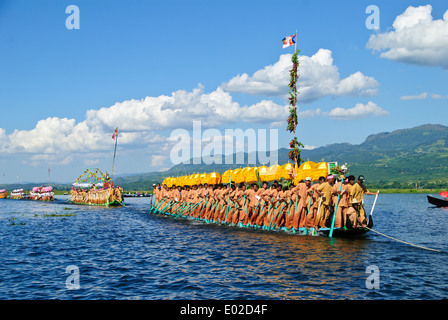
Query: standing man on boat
point(251, 202)
point(260, 205)
point(313, 198)
point(357, 192)
point(343, 196)
point(324, 190)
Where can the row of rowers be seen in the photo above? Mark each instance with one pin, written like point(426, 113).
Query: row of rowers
point(307, 204)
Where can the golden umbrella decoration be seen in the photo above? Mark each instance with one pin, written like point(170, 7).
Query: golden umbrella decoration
point(213, 178)
point(225, 177)
point(321, 170)
point(250, 175)
point(273, 172)
point(283, 171)
point(203, 178)
point(263, 171)
point(305, 170)
point(237, 176)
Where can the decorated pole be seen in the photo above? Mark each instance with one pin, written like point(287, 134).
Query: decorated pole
point(115, 137)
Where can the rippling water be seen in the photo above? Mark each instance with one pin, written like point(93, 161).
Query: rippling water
point(126, 253)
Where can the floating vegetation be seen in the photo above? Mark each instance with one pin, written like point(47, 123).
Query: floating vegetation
point(13, 222)
point(58, 215)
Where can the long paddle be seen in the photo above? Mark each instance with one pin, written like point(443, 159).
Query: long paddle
point(335, 212)
point(371, 211)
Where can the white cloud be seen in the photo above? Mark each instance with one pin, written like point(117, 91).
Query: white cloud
point(416, 97)
point(359, 111)
point(158, 160)
point(165, 112)
point(318, 77)
point(264, 111)
point(438, 96)
point(416, 39)
point(422, 96)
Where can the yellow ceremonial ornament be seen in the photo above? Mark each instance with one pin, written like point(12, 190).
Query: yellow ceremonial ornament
point(321, 170)
point(225, 177)
point(214, 178)
point(305, 170)
point(250, 175)
point(203, 178)
point(237, 176)
point(263, 171)
point(284, 171)
point(273, 172)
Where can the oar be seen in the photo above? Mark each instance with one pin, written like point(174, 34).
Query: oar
point(371, 211)
point(169, 202)
point(190, 210)
point(273, 214)
point(335, 211)
point(281, 209)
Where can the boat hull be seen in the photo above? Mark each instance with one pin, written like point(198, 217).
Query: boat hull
point(325, 232)
point(437, 201)
point(107, 204)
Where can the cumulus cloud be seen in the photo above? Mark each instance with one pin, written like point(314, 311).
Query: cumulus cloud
point(416, 39)
point(359, 111)
point(138, 122)
point(318, 77)
point(165, 112)
point(264, 111)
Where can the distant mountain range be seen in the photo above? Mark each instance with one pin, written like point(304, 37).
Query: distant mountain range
point(407, 158)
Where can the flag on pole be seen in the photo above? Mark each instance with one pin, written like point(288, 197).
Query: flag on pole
point(289, 41)
point(114, 135)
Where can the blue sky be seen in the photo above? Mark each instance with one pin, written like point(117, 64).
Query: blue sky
point(133, 64)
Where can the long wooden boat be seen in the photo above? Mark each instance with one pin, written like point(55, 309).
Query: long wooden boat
point(337, 232)
point(438, 201)
point(18, 194)
point(95, 188)
point(97, 197)
point(42, 194)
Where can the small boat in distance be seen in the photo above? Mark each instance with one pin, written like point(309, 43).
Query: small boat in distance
point(42, 193)
point(18, 194)
point(3, 194)
point(439, 202)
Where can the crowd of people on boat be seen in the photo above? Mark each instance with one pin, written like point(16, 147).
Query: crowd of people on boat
point(99, 196)
point(42, 193)
point(305, 205)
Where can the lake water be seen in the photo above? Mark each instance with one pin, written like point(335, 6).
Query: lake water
point(125, 253)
